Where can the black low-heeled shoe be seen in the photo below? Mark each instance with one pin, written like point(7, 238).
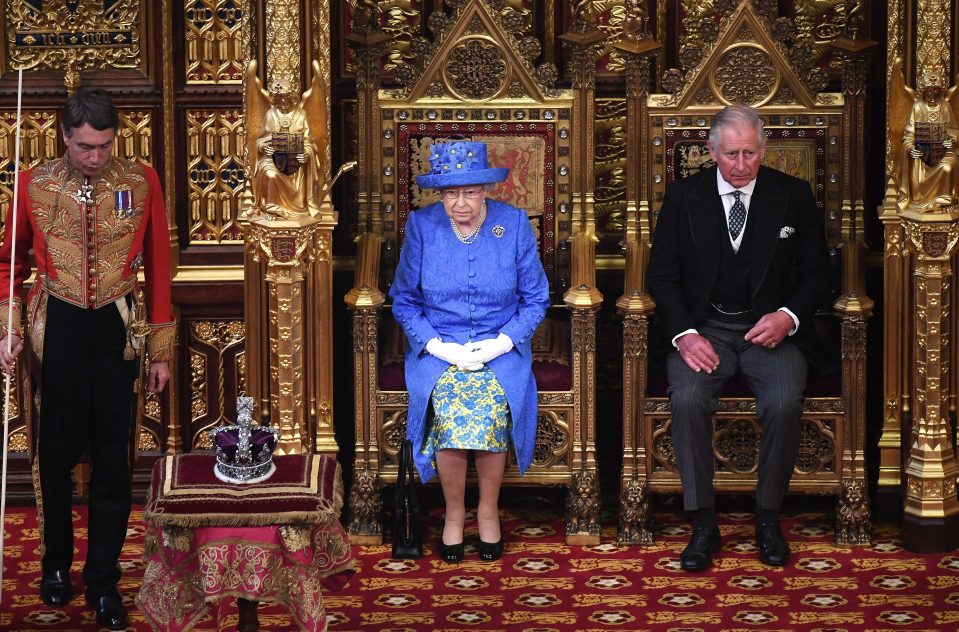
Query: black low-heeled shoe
point(491, 552)
point(452, 553)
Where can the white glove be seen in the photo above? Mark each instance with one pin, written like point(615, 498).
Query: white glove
point(486, 350)
point(453, 353)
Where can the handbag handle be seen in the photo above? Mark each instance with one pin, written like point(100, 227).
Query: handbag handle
point(406, 488)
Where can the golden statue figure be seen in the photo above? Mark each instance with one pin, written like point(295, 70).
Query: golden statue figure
point(586, 11)
point(929, 153)
point(365, 16)
point(287, 154)
point(635, 20)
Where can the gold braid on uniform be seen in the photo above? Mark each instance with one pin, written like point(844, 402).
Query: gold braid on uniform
point(5, 307)
point(160, 342)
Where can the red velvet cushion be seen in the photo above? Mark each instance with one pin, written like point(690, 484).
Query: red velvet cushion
point(551, 356)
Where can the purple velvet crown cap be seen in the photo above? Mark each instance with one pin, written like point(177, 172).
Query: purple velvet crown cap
point(227, 441)
point(244, 452)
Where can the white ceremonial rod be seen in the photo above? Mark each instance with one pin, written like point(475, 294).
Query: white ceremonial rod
point(11, 217)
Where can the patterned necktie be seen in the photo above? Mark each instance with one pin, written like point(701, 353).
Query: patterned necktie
point(737, 216)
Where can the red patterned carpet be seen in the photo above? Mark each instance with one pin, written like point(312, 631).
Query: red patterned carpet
point(541, 584)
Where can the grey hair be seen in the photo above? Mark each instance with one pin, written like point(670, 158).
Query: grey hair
point(733, 115)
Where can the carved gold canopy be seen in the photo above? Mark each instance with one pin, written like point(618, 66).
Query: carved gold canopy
point(476, 81)
point(746, 65)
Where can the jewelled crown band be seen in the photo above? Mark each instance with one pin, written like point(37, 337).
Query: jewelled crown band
point(244, 452)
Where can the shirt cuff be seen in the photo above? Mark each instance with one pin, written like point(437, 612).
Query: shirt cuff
point(681, 334)
point(795, 320)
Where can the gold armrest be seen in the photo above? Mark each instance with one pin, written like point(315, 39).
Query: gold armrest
point(366, 293)
point(582, 292)
point(635, 301)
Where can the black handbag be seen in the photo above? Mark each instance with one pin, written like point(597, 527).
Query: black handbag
point(407, 539)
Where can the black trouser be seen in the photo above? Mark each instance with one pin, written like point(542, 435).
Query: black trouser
point(87, 403)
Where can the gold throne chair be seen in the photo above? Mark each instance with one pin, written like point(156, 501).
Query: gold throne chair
point(807, 132)
point(474, 81)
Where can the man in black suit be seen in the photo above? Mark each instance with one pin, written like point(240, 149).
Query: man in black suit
point(738, 267)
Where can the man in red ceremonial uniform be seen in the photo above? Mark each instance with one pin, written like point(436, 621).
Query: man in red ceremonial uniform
point(91, 221)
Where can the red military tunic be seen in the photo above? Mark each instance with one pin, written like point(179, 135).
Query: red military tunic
point(88, 253)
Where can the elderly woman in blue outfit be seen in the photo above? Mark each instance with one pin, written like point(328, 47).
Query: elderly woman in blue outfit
point(469, 292)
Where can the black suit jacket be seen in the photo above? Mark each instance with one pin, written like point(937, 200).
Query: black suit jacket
point(790, 271)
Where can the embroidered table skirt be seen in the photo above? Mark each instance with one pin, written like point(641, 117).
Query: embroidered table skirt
point(276, 541)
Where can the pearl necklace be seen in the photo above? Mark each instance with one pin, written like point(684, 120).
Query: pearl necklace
point(471, 237)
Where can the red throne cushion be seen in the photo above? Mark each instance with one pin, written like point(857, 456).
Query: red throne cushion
point(551, 356)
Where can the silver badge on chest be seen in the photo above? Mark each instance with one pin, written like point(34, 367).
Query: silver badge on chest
point(85, 192)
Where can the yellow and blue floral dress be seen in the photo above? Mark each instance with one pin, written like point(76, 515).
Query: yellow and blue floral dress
point(470, 412)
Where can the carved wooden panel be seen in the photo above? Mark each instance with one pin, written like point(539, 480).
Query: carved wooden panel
point(135, 136)
point(38, 142)
point(215, 52)
point(736, 439)
point(217, 372)
point(610, 167)
point(215, 173)
point(50, 35)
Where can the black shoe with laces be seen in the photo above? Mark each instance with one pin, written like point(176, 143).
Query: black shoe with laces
point(773, 548)
point(698, 554)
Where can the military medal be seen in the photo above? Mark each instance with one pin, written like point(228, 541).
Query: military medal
point(85, 192)
point(124, 203)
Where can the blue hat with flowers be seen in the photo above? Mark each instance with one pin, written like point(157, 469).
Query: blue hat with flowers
point(458, 164)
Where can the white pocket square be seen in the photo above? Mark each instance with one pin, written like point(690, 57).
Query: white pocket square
point(786, 231)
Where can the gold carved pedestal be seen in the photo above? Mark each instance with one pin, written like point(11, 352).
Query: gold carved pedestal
point(294, 257)
point(931, 520)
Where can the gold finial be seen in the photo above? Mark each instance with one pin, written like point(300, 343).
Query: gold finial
point(71, 78)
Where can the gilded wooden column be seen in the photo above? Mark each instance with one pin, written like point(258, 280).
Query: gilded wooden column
point(635, 305)
point(367, 40)
point(320, 332)
point(584, 46)
point(286, 247)
point(283, 56)
point(583, 298)
point(365, 300)
point(931, 521)
point(853, 524)
point(927, 211)
point(896, 323)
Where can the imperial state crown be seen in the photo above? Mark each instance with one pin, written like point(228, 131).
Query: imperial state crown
point(244, 452)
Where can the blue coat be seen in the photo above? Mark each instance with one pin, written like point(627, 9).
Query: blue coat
point(457, 292)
